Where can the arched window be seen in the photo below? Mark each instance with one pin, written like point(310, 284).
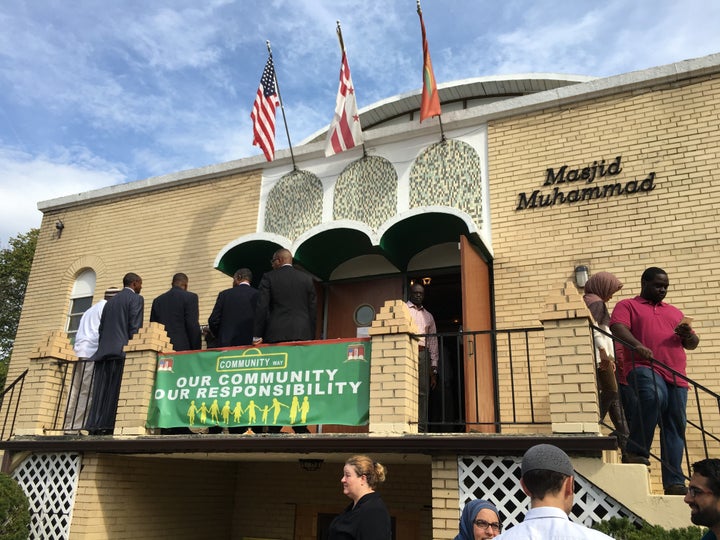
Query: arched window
point(81, 299)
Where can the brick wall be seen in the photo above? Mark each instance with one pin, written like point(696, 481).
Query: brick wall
point(131, 498)
point(259, 512)
point(156, 234)
point(671, 130)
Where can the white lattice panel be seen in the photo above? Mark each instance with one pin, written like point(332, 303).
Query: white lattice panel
point(497, 479)
point(50, 483)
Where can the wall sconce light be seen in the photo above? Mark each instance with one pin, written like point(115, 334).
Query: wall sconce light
point(310, 465)
point(582, 273)
point(59, 226)
point(426, 281)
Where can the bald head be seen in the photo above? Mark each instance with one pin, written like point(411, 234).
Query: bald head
point(282, 256)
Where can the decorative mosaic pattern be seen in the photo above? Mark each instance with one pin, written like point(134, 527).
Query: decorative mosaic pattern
point(366, 191)
point(448, 174)
point(49, 482)
point(294, 205)
point(498, 479)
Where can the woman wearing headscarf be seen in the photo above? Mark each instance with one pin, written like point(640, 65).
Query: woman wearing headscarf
point(599, 289)
point(480, 519)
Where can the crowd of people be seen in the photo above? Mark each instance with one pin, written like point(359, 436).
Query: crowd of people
point(547, 477)
point(283, 308)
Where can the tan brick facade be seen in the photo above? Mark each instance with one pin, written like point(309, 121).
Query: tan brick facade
point(666, 131)
point(156, 234)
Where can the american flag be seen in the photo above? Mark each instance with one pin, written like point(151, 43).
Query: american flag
point(263, 112)
point(345, 131)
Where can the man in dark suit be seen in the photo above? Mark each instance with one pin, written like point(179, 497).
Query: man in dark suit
point(178, 311)
point(121, 319)
point(287, 304)
point(231, 320)
point(287, 308)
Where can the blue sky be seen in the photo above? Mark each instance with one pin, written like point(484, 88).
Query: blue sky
point(99, 93)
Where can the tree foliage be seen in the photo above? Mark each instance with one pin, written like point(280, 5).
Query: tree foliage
point(15, 263)
point(624, 529)
point(14, 510)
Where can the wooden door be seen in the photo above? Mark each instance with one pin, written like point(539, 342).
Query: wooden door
point(343, 299)
point(478, 349)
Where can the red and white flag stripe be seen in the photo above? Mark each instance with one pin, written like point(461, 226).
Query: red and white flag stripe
point(345, 131)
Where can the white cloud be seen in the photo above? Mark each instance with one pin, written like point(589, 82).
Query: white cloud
point(28, 179)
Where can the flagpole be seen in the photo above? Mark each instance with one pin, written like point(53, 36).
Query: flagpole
point(439, 116)
point(282, 107)
point(342, 50)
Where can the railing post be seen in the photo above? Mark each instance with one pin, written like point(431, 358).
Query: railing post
point(570, 362)
point(139, 378)
point(47, 372)
point(393, 371)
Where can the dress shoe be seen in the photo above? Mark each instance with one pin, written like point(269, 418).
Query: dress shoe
point(629, 457)
point(676, 489)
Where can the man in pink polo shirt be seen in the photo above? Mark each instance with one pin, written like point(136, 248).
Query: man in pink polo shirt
point(659, 337)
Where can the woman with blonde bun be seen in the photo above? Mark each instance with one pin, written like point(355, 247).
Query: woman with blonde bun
point(367, 517)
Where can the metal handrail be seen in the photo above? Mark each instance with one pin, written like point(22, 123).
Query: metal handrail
point(699, 391)
point(9, 393)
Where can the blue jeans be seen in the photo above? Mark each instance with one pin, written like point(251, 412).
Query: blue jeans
point(658, 403)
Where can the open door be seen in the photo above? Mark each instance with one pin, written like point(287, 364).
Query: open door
point(478, 348)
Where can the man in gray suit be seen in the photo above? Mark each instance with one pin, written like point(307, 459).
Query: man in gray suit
point(121, 319)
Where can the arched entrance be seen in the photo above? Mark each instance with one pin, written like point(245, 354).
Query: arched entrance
point(357, 270)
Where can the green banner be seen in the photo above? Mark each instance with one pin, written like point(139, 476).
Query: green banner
point(320, 382)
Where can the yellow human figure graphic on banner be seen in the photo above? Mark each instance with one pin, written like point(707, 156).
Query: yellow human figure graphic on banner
point(294, 409)
point(192, 411)
point(237, 411)
point(265, 411)
point(215, 412)
point(304, 410)
point(203, 413)
point(225, 412)
point(276, 407)
point(252, 409)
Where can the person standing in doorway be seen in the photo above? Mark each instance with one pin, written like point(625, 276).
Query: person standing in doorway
point(428, 355)
point(656, 331)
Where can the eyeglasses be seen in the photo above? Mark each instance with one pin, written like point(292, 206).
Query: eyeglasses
point(696, 491)
point(495, 526)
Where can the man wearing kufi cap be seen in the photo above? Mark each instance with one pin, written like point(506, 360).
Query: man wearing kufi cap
point(86, 343)
point(548, 479)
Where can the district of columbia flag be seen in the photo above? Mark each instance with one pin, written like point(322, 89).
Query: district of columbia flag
point(430, 103)
point(345, 131)
point(263, 112)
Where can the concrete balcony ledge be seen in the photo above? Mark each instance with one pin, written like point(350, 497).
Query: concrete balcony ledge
point(424, 444)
